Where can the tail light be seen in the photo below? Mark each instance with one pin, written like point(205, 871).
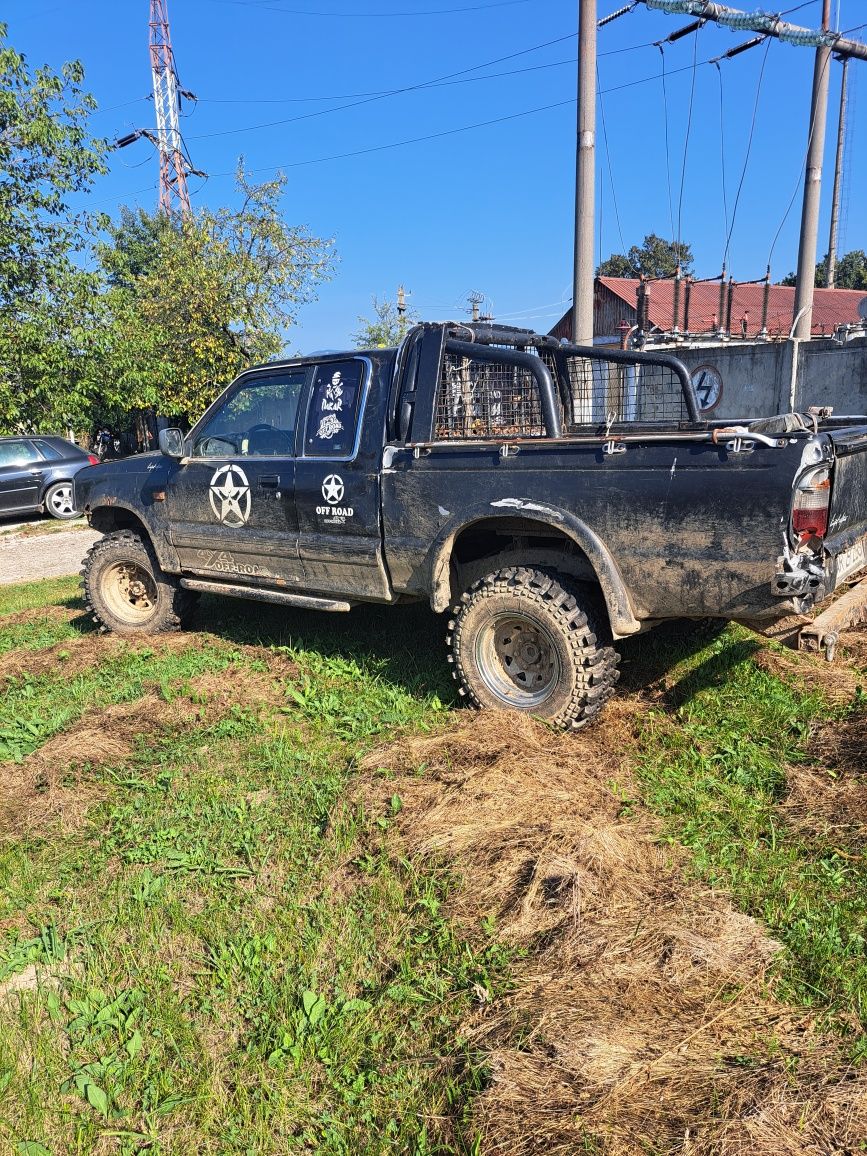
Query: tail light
point(810, 508)
point(93, 459)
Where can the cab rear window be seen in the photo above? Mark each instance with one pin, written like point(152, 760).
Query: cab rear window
point(332, 414)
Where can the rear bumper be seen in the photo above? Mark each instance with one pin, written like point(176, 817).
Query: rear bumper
point(813, 577)
point(822, 633)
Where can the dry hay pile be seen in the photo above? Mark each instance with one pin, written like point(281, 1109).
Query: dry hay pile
point(837, 682)
point(640, 1015)
point(828, 797)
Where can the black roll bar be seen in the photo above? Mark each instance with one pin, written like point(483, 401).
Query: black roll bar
point(547, 393)
point(633, 357)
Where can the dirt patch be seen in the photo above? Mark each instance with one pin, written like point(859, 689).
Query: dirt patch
point(37, 615)
point(640, 1014)
point(853, 644)
point(55, 785)
point(837, 682)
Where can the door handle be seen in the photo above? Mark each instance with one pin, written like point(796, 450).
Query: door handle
point(269, 482)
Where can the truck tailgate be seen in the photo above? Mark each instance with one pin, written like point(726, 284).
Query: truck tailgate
point(847, 525)
point(849, 485)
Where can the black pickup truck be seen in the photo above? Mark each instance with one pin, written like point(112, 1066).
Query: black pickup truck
point(555, 498)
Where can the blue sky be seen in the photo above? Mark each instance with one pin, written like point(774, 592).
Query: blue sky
point(489, 209)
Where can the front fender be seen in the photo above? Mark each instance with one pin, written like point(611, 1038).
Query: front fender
point(623, 620)
point(120, 501)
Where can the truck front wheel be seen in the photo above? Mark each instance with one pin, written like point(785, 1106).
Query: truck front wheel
point(525, 639)
point(126, 590)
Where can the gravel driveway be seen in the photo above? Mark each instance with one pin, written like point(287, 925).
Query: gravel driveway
point(30, 557)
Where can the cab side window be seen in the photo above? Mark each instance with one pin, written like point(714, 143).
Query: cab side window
point(256, 420)
point(332, 413)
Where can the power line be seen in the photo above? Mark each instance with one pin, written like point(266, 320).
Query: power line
point(749, 148)
point(402, 143)
point(453, 131)
point(373, 15)
point(667, 148)
point(686, 138)
point(382, 95)
point(388, 92)
point(608, 159)
point(798, 181)
point(362, 96)
point(722, 146)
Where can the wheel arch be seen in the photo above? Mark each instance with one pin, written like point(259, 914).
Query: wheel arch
point(107, 518)
point(556, 525)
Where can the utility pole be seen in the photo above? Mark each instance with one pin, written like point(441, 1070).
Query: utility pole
point(806, 282)
point(585, 176)
point(831, 268)
point(825, 42)
point(401, 302)
point(474, 300)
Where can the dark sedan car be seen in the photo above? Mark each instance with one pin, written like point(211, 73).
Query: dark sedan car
point(36, 474)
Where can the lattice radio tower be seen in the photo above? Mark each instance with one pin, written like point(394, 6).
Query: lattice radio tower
point(174, 166)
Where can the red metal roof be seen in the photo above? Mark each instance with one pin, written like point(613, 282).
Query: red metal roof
point(831, 307)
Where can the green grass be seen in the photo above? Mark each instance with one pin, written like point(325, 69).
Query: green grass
point(233, 956)
point(31, 595)
point(241, 962)
point(718, 777)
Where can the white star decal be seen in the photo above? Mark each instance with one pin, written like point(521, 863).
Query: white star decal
point(230, 495)
point(332, 489)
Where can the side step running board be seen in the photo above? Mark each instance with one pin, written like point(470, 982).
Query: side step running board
point(256, 594)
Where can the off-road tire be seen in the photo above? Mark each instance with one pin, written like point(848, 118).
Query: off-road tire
point(55, 503)
point(548, 615)
point(116, 567)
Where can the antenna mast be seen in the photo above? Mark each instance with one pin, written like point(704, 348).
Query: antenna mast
point(174, 166)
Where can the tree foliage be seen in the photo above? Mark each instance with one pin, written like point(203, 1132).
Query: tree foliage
point(387, 327)
point(851, 272)
point(193, 302)
point(46, 301)
point(656, 257)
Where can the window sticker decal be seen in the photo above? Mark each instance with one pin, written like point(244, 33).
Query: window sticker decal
point(329, 426)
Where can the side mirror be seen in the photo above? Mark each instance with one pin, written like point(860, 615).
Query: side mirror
point(172, 443)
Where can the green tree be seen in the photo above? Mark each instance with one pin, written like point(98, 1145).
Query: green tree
point(656, 257)
point(851, 272)
point(387, 327)
point(193, 302)
point(46, 155)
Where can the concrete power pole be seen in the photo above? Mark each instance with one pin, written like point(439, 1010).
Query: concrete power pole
point(831, 268)
point(807, 245)
point(585, 176)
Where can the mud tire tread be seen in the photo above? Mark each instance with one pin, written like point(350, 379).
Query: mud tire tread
point(174, 602)
point(594, 666)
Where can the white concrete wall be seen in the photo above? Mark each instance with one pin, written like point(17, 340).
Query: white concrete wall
point(758, 380)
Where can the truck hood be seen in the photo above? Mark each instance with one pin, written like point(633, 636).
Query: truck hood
point(121, 476)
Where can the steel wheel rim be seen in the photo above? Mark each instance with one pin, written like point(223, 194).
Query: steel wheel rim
point(130, 592)
point(60, 500)
point(518, 661)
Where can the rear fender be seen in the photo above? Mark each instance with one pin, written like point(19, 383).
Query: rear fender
point(623, 620)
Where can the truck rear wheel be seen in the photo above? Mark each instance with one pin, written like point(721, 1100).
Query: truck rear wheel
point(127, 591)
point(525, 639)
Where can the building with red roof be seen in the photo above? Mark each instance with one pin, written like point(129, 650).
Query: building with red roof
point(616, 300)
